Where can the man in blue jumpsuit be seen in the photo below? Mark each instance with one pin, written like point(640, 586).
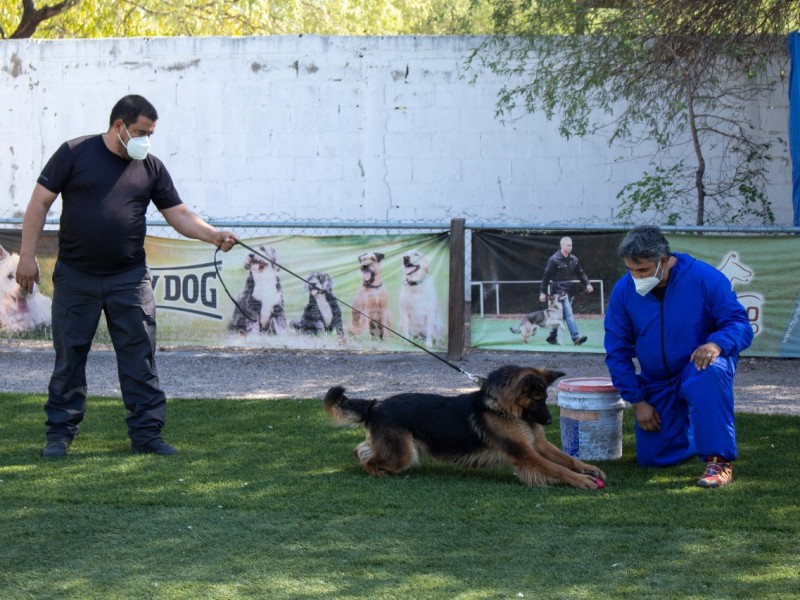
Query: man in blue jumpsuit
point(680, 318)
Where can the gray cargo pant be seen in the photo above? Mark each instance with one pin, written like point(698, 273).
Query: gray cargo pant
point(128, 303)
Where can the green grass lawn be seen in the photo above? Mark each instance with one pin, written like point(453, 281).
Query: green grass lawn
point(493, 333)
point(267, 501)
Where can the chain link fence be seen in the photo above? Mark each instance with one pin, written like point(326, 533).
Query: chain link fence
point(277, 224)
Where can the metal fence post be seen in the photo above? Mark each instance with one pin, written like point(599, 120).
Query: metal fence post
point(456, 313)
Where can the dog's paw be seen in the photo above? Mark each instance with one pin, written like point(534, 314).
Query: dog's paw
point(593, 471)
point(598, 474)
point(588, 482)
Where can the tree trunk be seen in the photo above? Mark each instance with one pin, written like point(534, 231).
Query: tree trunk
point(701, 191)
point(33, 17)
point(701, 161)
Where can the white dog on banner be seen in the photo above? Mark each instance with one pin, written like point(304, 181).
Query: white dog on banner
point(419, 305)
point(20, 311)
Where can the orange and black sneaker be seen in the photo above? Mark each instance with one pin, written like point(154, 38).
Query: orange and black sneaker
point(718, 473)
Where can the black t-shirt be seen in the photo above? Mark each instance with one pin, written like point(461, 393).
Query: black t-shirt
point(104, 204)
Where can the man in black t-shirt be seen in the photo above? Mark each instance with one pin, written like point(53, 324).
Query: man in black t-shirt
point(106, 183)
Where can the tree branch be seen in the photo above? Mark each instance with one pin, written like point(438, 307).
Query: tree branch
point(32, 17)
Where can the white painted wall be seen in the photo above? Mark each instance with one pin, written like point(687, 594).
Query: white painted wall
point(317, 128)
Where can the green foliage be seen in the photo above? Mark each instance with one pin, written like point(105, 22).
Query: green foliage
point(149, 18)
point(267, 500)
point(657, 192)
point(665, 193)
point(10, 14)
point(678, 75)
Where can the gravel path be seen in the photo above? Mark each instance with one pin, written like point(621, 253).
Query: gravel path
point(763, 385)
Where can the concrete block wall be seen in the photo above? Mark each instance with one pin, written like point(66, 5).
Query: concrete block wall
point(318, 128)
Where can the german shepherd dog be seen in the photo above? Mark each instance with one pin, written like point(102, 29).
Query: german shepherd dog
point(550, 318)
point(498, 425)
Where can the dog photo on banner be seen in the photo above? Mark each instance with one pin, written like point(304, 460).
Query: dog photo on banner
point(25, 315)
point(304, 292)
point(21, 312)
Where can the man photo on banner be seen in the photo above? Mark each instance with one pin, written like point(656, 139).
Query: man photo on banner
point(563, 275)
point(106, 182)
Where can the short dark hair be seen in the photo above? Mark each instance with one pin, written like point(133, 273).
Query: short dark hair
point(645, 242)
point(129, 108)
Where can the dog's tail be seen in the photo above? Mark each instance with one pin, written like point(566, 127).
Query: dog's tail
point(344, 410)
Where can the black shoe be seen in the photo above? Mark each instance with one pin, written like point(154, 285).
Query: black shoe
point(578, 341)
point(552, 338)
point(56, 448)
point(156, 446)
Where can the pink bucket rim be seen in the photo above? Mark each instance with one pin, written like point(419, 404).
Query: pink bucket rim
point(587, 384)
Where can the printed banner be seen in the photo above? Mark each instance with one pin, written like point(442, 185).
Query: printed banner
point(507, 270)
point(762, 271)
point(401, 281)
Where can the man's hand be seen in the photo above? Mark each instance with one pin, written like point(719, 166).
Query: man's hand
point(647, 416)
point(27, 273)
point(704, 355)
point(589, 288)
point(542, 297)
point(225, 240)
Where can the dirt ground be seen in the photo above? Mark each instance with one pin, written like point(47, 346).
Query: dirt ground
point(762, 385)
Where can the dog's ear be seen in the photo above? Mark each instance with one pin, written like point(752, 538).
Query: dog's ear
point(379, 256)
point(361, 257)
point(551, 376)
point(3, 253)
point(534, 385)
point(271, 256)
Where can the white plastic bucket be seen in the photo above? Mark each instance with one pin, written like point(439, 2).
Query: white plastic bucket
point(591, 418)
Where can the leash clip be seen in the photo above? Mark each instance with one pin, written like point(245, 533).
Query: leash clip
point(476, 379)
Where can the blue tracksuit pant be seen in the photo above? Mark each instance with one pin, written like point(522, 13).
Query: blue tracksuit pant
point(696, 409)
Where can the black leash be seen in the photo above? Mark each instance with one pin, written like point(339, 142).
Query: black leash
point(476, 379)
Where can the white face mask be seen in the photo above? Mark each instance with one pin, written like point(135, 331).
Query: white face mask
point(645, 285)
point(137, 147)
